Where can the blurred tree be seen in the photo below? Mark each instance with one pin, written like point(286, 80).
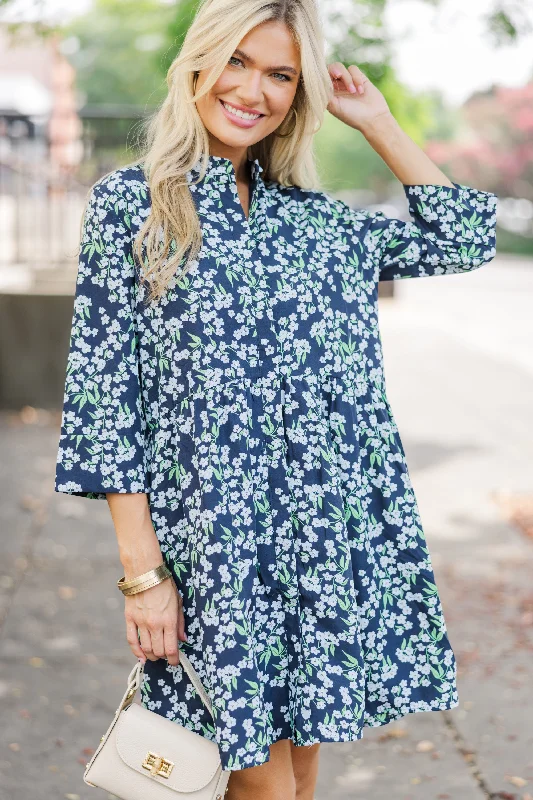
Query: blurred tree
point(494, 145)
point(122, 49)
point(117, 48)
point(507, 20)
point(345, 158)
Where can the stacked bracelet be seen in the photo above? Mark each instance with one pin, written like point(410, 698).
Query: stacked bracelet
point(144, 581)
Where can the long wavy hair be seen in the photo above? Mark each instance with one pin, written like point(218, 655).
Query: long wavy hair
point(175, 138)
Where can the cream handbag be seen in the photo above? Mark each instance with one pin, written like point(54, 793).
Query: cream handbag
point(145, 756)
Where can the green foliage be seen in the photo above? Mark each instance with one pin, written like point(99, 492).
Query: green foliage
point(127, 46)
point(508, 242)
point(175, 33)
point(507, 22)
point(119, 60)
point(346, 160)
point(356, 35)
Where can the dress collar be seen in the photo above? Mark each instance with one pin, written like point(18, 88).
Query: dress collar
point(219, 188)
point(220, 166)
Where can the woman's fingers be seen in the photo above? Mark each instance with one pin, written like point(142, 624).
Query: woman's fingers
point(154, 623)
point(181, 620)
point(158, 643)
point(146, 643)
point(133, 640)
point(349, 79)
point(170, 636)
point(343, 80)
point(358, 78)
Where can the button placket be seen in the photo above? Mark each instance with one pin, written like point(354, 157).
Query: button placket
point(262, 323)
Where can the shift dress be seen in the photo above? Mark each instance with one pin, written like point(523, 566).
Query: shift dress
point(250, 405)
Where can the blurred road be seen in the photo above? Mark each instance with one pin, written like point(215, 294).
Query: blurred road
point(459, 370)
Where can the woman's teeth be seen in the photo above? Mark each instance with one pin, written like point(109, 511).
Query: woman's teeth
point(238, 113)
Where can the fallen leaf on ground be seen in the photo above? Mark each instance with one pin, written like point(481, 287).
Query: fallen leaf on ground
point(66, 592)
point(518, 508)
point(425, 746)
point(395, 733)
point(516, 781)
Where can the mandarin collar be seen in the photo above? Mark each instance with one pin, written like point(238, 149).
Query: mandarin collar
point(218, 165)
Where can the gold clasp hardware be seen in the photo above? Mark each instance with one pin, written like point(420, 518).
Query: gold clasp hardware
point(157, 764)
point(128, 699)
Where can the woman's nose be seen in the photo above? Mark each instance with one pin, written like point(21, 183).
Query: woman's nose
point(250, 91)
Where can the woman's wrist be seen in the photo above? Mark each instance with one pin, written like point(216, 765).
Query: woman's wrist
point(380, 128)
point(141, 558)
point(140, 563)
point(403, 156)
point(138, 545)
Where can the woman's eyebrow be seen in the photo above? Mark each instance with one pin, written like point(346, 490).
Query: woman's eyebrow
point(250, 60)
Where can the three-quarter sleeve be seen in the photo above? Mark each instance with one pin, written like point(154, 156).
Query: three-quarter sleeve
point(451, 230)
point(103, 438)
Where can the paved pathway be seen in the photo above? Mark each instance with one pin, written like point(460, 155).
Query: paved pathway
point(459, 366)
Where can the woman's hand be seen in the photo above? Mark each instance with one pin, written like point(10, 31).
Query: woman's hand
point(157, 613)
point(356, 101)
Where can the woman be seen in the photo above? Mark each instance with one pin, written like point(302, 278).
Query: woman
point(229, 402)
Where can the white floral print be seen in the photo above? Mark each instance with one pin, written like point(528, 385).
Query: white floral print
point(250, 405)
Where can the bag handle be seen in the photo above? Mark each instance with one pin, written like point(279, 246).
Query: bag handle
point(136, 675)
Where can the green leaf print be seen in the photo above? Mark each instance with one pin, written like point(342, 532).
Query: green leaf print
point(250, 406)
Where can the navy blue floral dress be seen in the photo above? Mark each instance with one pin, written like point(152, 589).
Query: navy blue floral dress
point(250, 405)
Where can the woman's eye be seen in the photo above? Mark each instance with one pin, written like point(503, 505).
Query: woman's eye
point(277, 75)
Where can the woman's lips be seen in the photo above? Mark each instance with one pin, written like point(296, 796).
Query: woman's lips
point(239, 121)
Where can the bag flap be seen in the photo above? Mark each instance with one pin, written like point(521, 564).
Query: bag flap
point(195, 758)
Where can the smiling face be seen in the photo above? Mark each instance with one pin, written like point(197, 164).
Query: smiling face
point(254, 93)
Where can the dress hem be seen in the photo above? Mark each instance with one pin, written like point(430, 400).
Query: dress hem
point(391, 717)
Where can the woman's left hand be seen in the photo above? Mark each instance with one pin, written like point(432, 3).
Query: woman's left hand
point(356, 108)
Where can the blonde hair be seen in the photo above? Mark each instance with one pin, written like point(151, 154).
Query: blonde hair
point(175, 137)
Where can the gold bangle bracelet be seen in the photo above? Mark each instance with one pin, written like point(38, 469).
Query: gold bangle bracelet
point(124, 584)
point(160, 573)
point(143, 586)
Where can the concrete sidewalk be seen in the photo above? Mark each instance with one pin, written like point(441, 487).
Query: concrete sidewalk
point(459, 367)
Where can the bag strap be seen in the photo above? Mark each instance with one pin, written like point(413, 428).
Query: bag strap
point(136, 675)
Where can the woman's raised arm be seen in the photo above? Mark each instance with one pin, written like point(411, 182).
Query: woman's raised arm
point(453, 227)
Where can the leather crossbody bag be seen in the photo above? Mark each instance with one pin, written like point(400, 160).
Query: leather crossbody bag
point(145, 756)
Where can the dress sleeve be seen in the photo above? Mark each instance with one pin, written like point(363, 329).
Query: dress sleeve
point(103, 441)
point(451, 230)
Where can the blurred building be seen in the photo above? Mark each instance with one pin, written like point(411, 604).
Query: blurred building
point(40, 208)
point(38, 117)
